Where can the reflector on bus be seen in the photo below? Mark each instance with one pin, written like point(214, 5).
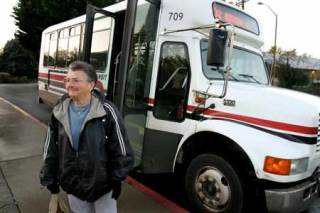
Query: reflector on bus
point(235, 17)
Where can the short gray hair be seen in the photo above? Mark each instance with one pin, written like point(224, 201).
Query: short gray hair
point(87, 68)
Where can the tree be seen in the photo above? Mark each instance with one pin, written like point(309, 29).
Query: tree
point(273, 49)
point(288, 55)
point(16, 60)
point(33, 16)
point(288, 76)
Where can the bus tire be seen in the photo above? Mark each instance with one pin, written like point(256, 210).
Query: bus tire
point(39, 100)
point(212, 185)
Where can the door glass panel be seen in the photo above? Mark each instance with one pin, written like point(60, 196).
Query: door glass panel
point(100, 43)
point(171, 92)
point(139, 74)
point(99, 50)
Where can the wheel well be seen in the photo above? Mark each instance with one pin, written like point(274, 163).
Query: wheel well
point(209, 142)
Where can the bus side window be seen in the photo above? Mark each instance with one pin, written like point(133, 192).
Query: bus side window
point(61, 60)
point(172, 85)
point(74, 44)
point(46, 50)
point(52, 49)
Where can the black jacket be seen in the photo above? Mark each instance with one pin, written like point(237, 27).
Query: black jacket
point(104, 152)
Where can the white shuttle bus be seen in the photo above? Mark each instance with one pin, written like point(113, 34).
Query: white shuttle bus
point(191, 82)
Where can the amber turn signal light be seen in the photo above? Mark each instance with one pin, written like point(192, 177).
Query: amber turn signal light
point(199, 100)
point(277, 166)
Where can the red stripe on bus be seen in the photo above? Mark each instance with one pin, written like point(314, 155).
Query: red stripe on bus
point(151, 101)
point(61, 78)
point(257, 121)
point(52, 76)
point(262, 122)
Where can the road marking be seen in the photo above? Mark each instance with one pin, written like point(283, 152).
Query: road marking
point(171, 206)
point(24, 112)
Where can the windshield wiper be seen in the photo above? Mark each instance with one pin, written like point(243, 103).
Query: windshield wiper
point(251, 77)
point(222, 73)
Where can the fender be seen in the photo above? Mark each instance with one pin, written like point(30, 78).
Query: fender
point(263, 143)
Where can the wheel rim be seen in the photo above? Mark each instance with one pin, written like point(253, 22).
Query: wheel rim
point(213, 189)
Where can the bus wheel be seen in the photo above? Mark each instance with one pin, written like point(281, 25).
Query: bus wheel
point(39, 100)
point(212, 185)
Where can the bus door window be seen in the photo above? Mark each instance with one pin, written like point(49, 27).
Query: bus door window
point(100, 43)
point(173, 81)
point(139, 75)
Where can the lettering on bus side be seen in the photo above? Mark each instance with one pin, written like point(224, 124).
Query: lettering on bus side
point(102, 77)
point(228, 102)
point(175, 16)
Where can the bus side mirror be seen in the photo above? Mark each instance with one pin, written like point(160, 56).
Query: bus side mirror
point(217, 46)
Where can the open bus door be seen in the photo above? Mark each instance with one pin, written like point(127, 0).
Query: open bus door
point(117, 54)
point(121, 58)
point(136, 71)
point(131, 62)
point(119, 46)
point(98, 42)
point(118, 62)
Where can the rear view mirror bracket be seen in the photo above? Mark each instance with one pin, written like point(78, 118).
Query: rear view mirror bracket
point(221, 44)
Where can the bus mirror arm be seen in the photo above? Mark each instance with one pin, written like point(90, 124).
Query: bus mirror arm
point(227, 70)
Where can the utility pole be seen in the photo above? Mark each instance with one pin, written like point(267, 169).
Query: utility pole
point(241, 3)
point(273, 68)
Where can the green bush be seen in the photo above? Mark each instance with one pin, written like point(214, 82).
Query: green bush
point(17, 61)
point(291, 78)
point(7, 78)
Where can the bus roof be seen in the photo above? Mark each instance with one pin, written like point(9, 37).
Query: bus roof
point(178, 15)
point(200, 13)
point(121, 6)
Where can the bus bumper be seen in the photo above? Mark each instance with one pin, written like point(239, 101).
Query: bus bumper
point(294, 199)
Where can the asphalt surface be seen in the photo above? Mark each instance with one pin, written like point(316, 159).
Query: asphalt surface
point(25, 96)
point(21, 147)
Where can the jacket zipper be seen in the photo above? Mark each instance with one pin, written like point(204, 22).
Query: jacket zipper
point(77, 162)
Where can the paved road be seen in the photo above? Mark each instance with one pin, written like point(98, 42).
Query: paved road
point(20, 162)
point(25, 96)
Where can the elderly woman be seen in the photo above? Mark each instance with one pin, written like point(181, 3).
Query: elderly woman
point(86, 152)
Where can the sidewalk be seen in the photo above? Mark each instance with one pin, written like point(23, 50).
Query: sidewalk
point(21, 143)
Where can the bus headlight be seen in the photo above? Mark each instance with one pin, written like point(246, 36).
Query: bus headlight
point(299, 166)
point(281, 166)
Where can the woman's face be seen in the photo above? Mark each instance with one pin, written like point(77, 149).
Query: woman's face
point(77, 84)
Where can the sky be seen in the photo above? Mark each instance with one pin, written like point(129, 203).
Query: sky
point(298, 23)
point(6, 21)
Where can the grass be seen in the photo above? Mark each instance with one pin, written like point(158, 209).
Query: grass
point(7, 78)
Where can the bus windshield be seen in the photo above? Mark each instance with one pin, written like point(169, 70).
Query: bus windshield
point(246, 66)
